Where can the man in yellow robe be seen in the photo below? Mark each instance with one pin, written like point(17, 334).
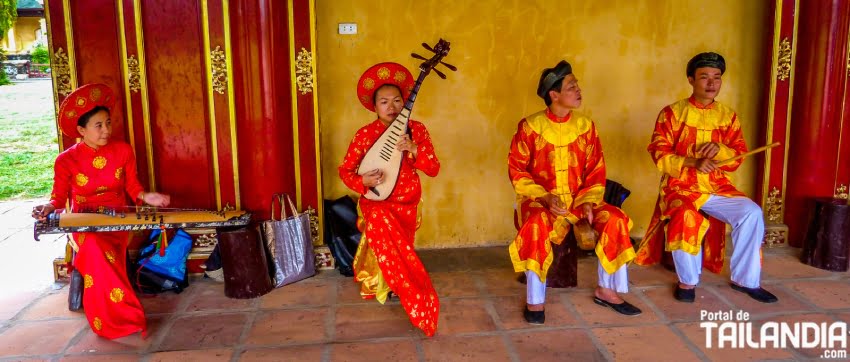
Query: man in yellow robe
point(556, 167)
point(697, 196)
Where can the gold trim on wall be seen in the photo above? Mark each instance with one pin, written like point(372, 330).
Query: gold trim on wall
point(773, 207)
point(841, 192)
point(210, 64)
point(304, 71)
point(62, 72)
point(319, 190)
point(783, 68)
point(790, 101)
point(127, 66)
point(143, 83)
point(69, 35)
point(55, 87)
point(218, 70)
point(293, 93)
point(771, 102)
point(231, 110)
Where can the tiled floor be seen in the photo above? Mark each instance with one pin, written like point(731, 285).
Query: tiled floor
point(323, 319)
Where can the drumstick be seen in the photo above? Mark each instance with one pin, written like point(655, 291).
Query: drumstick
point(757, 150)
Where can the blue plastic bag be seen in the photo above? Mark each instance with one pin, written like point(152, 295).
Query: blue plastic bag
point(172, 265)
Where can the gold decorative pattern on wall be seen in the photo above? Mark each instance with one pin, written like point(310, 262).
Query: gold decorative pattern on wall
point(775, 237)
point(63, 72)
point(783, 68)
point(219, 70)
point(133, 77)
point(304, 71)
point(773, 207)
point(841, 192)
point(314, 225)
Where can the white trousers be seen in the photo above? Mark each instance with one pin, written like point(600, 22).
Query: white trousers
point(747, 222)
point(536, 289)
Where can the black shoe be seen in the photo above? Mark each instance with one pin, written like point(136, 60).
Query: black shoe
point(758, 294)
point(623, 308)
point(684, 295)
point(534, 317)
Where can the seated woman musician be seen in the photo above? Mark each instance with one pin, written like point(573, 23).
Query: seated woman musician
point(386, 261)
point(99, 172)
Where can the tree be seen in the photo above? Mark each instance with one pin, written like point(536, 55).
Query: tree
point(8, 15)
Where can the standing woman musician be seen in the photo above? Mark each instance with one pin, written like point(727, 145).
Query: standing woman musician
point(98, 172)
point(386, 261)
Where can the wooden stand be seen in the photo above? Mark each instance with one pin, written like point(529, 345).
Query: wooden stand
point(827, 242)
point(243, 258)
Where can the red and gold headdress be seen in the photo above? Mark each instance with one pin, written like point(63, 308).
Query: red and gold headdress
point(80, 101)
point(379, 75)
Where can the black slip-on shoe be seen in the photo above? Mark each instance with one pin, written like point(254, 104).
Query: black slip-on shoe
point(758, 294)
point(534, 317)
point(684, 295)
point(624, 308)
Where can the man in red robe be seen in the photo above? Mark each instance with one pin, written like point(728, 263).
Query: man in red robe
point(697, 198)
point(556, 167)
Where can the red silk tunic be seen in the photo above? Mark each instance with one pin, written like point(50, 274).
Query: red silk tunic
point(681, 127)
point(561, 156)
point(386, 254)
point(92, 178)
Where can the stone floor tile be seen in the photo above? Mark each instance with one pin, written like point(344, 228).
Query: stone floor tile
point(468, 315)
point(90, 342)
point(644, 343)
point(827, 294)
point(282, 327)
point(307, 293)
point(348, 292)
point(786, 264)
point(208, 355)
point(697, 335)
point(509, 310)
point(51, 306)
point(556, 345)
point(597, 315)
point(354, 322)
point(204, 331)
point(311, 353)
point(789, 302)
point(164, 303)
point(790, 320)
point(674, 310)
point(38, 338)
point(468, 348)
point(454, 284)
point(367, 351)
point(209, 296)
point(101, 358)
point(501, 282)
point(12, 304)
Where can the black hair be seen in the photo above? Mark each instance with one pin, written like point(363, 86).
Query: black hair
point(84, 119)
point(375, 93)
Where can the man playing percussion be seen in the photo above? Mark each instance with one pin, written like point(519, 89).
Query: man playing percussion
point(697, 195)
point(557, 170)
point(386, 260)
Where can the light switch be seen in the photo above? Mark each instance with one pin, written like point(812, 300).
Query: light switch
point(347, 28)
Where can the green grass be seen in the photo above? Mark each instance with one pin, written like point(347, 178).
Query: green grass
point(28, 144)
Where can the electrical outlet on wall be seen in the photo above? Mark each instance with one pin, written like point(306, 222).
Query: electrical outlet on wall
point(347, 28)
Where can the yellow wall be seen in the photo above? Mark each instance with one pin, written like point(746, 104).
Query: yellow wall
point(629, 56)
point(25, 28)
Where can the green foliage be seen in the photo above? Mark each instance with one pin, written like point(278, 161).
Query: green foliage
point(40, 55)
point(8, 15)
point(4, 79)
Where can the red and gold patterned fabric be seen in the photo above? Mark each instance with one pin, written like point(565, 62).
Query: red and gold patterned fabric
point(561, 156)
point(82, 100)
point(386, 259)
point(681, 127)
point(90, 178)
point(379, 75)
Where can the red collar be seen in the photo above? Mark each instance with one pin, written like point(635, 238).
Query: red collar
point(552, 117)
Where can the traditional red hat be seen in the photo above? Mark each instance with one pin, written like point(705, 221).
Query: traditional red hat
point(80, 101)
point(379, 75)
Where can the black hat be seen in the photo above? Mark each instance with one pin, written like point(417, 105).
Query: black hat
point(709, 59)
point(552, 75)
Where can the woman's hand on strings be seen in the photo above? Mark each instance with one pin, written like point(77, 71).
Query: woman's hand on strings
point(406, 144)
point(156, 199)
point(40, 212)
point(373, 178)
point(556, 206)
